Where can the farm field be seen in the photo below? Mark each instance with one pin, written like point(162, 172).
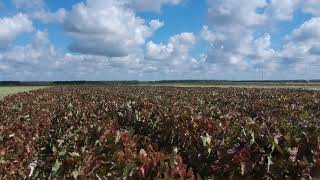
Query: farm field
point(8, 90)
point(160, 133)
point(306, 86)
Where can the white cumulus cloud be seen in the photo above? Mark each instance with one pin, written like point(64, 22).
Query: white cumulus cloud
point(304, 42)
point(13, 26)
point(176, 50)
point(38, 10)
point(107, 27)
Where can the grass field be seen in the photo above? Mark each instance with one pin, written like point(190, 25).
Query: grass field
point(8, 90)
point(306, 86)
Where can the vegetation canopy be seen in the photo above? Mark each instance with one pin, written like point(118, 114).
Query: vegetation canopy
point(160, 133)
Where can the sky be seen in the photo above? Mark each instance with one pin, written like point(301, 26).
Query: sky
point(50, 40)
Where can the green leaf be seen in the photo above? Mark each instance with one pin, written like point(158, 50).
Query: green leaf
point(56, 167)
point(60, 142)
point(252, 141)
point(62, 153)
point(3, 161)
point(206, 140)
point(127, 170)
point(269, 162)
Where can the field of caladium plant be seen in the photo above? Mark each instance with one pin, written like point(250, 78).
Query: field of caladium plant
point(160, 133)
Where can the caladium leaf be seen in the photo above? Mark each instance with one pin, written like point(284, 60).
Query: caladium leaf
point(56, 167)
point(62, 153)
point(2, 160)
point(293, 153)
point(243, 168)
point(118, 137)
point(74, 154)
point(76, 173)
point(269, 162)
point(32, 166)
point(252, 141)
point(173, 158)
point(206, 140)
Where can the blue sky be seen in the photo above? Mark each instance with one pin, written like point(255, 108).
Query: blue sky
point(159, 40)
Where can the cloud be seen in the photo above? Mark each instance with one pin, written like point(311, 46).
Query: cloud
point(26, 61)
point(147, 5)
point(234, 30)
point(303, 42)
point(155, 24)
point(38, 10)
point(262, 48)
point(40, 60)
point(239, 25)
point(176, 50)
point(312, 7)
point(315, 50)
point(210, 36)
point(107, 27)
point(109, 40)
point(48, 17)
point(12, 27)
point(230, 13)
point(231, 26)
point(282, 9)
point(36, 52)
point(235, 21)
point(309, 31)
